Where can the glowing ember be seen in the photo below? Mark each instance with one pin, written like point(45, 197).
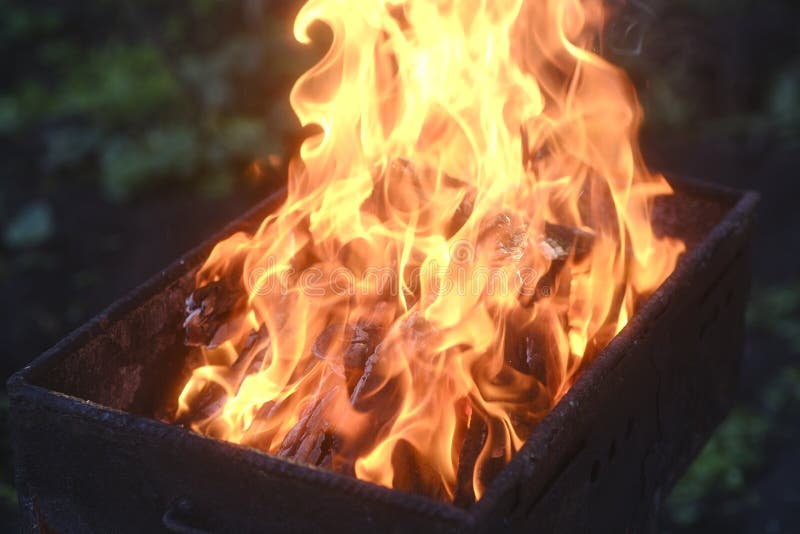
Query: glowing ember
point(471, 228)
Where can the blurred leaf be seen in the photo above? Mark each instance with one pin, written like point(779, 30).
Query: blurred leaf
point(244, 137)
point(213, 74)
point(665, 103)
point(777, 310)
point(67, 147)
point(722, 466)
point(56, 52)
point(10, 117)
point(113, 85)
point(784, 95)
point(129, 165)
point(217, 185)
point(119, 82)
point(206, 7)
point(783, 393)
point(8, 494)
point(32, 226)
point(20, 21)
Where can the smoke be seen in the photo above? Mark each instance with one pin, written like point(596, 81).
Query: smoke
point(629, 24)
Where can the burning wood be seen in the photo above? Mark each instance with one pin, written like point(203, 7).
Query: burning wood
point(346, 349)
point(210, 307)
point(505, 238)
point(436, 295)
point(560, 242)
point(474, 442)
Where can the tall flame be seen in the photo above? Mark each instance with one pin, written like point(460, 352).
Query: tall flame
point(470, 228)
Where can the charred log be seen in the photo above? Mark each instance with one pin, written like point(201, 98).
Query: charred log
point(414, 473)
point(503, 239)
point(306, 441)
point(210, 307)
point(561, 241)
point(347, 348)
point(474, 441)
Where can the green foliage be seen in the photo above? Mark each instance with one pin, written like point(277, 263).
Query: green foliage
point(733, 456)
point(155, 97)
point(722, 466)
point(110, 86)
point(737, 450)
point(32, 226)
point(777, 311)
point(117, 84)
point(783, 394)
point(8, 494)
point(19, 22)
point(129, 163)
point(695, 80)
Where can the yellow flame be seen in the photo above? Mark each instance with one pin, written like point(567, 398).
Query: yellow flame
point(415, 211)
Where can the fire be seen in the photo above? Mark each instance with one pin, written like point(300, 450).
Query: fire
point(470, 228)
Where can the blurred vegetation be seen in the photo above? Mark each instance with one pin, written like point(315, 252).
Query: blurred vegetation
point(721, 478)
point(136, 93)
point(725, 469)
point(695, 70)
point(777, 310)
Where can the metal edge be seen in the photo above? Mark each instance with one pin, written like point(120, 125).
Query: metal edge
point(737, 218)
point(137, 296)
point(18, 386)
point(267, 464)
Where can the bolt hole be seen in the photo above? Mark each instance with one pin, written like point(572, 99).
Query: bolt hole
point(629, 429)
point(612, 450)
point(595, 471)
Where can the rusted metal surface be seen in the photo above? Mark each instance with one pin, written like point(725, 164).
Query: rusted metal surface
point(90, 457)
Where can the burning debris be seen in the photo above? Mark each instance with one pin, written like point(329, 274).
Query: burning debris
point(425, 296)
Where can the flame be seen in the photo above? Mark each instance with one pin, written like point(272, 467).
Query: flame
point(470, 227)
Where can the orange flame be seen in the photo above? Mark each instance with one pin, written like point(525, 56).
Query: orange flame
point(469, 229)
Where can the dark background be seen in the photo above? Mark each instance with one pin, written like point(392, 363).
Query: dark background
point(128, 130)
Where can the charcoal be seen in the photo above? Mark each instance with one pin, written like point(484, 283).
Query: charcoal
point(560, 241)
point(529, 158)
point(504, 237)
point(210, 307)
point(461, 215)
point(559, 244)
point(304, 441)
point(526, 352)
point(352, 346)
point(368, 382)
point(260, 433)
point(252, 354)
point(403, 185)
point(473, 444)
point(415, 333)
point(464, 210)
point(492, 466)
point(414, 473)
point(212, 397)
point(311, 448)
point(205, 404)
